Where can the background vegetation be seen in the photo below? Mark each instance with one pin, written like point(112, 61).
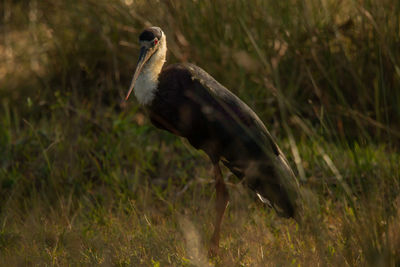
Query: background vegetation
point(86, 180)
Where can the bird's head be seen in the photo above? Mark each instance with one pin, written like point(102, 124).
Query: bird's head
point(150, 40)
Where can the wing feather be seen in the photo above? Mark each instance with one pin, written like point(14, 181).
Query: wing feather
point(192, 104)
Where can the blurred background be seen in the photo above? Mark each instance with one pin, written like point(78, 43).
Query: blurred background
point(85, 178)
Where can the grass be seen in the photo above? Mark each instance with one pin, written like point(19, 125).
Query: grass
point(86, 180)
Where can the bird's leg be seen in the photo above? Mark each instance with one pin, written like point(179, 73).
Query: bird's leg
point(221, 203)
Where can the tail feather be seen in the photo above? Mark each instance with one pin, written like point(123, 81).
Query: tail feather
point(274, 182)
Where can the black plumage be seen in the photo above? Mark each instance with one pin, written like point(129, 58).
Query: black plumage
point(192, 104)
point(185, 100)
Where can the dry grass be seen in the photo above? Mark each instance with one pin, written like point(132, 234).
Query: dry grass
point(85, 180)
point(159, 225)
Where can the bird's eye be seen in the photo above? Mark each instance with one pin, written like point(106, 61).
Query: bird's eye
point(155, 41)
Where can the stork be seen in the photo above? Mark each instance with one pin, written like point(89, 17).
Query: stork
point(186, 101)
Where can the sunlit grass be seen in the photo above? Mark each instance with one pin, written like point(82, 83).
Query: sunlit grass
point(85, 179)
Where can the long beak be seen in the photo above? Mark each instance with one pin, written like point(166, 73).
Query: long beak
point(143, 57)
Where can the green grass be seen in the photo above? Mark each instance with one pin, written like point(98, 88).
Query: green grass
point(86, 179)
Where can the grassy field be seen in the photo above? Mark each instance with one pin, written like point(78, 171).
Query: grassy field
point(85, 179)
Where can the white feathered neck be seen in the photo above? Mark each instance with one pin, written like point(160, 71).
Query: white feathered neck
point(147, 82)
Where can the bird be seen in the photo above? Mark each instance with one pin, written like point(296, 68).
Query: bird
point(185, 100)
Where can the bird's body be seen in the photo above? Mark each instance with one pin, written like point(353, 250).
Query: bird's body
point(185, 100)
point(192, 104)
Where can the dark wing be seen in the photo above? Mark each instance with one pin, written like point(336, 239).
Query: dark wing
point(233, 109)
point(192, 104)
